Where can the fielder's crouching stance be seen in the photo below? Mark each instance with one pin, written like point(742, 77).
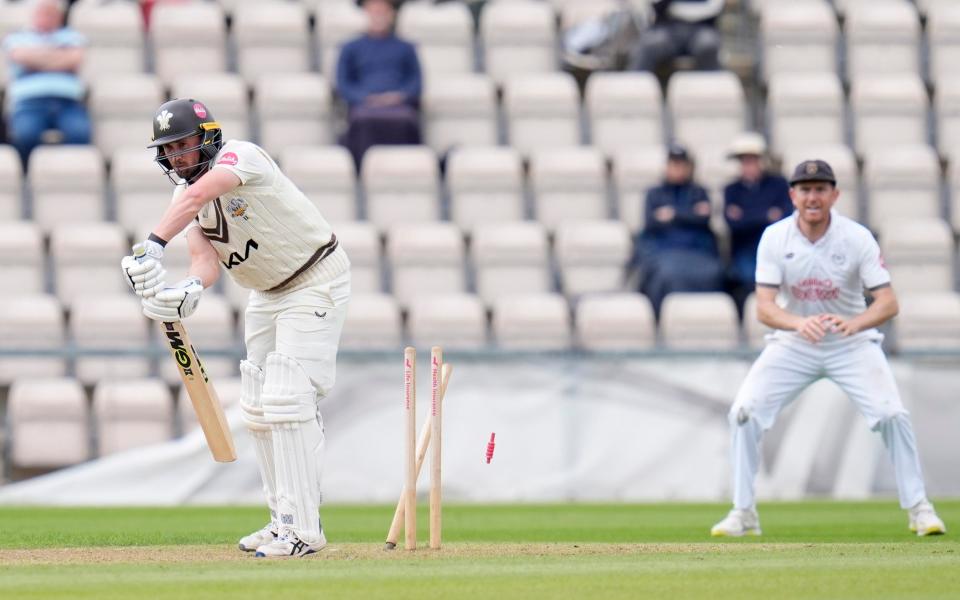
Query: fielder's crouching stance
point(271, 239)
point(821, 262)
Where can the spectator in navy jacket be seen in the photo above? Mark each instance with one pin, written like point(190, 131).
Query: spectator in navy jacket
point(756, 199)
point(680, 28)
point(378, 75)
point(677, 251)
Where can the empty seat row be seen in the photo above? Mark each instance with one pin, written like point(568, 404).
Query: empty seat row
point(881, 37)
point(126, 413)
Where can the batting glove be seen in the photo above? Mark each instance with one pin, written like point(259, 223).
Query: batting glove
point(143, 270)
point(175, 302)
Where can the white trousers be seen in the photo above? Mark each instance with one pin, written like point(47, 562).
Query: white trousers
point(786, 368)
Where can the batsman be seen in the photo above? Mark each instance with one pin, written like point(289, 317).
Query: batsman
point(239, 211)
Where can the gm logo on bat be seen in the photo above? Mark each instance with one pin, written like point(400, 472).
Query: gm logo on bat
point(180, 353)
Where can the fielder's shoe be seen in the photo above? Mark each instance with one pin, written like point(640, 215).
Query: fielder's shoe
point(289, 545)
point(249, 543)
point(737, 523)
point(924, 520)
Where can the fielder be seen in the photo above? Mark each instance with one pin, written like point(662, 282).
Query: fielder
point(820, 262)
point(240, 211)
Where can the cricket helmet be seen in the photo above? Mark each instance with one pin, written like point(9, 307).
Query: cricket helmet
point(181, 118)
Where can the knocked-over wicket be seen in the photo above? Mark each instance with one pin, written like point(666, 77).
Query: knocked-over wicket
point(430, 433)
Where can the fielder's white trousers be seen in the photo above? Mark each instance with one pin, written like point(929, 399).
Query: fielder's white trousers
point(785, 368)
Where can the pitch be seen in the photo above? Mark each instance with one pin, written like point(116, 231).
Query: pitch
point(809, 550)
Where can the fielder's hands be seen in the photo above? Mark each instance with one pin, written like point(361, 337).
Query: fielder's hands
point(142, 270)
point(174, 302)
point(816, 327)
point(838, 324)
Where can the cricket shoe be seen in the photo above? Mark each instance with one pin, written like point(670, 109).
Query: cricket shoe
point(249, 543)
point(924, 520)
point(289, 545)
point(737, 523)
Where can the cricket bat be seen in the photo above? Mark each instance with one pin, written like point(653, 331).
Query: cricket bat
point(202, 395)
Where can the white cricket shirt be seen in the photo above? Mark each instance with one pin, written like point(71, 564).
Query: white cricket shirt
point(826, 276)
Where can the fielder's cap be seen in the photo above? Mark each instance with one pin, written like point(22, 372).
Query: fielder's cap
point(748, 144)
point(677, 151)
point(813, 170)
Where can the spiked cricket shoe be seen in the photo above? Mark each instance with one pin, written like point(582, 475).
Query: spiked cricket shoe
point(737, 523)
point(924, 520)
point(289, 545)
point(250, 543)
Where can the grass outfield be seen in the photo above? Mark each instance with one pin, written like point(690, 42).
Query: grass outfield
point(809, 550)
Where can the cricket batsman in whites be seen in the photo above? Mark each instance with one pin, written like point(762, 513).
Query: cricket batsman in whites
point(240, 211)
point(820, 263)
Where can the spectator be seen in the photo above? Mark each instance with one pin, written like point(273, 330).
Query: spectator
point(680, 28)
point(378, 75)
point(45, 91)
point(677, 251)
point(755, 200)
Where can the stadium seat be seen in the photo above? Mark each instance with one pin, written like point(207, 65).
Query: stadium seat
point(401, 184)
point(327, 176)
point(31, 322)
point(615, 322)
point(928, 321)
point(22, 265)
point(454, 321)
point(708, 108)
point(228, 392)
point(805, 109)
point(510, 258)
point(337, 24)
point(543, 111)
point(293, 110)
point(224, 94)
point(592, 256)
point(532, 322)
point(141, 191)
point(799, 37)
point(67, 184)
point(888, 110)
point(753, 329)
point(844, 164)
point(270, 38)
point(363, 246)
point(459, 110)
point(714, 169)
point(699, 321)
point(568, 184)
point(947, 103)
point(122, 107)
point(625, 109)
point(485, 186)
point(902, 182)
point(41, 410)
point(943, 38)
point(953, 180)
point(115, 37)
point(11, 184)
point(636, 170)
point(425, 258)
point(211, 328)
point(443, 35)
point(129, 413)
point(373, 323)
point(518, 37)
point(918, 253)
point(86, 260)
point(883, 37)
point(109, 322)
point(189, 38)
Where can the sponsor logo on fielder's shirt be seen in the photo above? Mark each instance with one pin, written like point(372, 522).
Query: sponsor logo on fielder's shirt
point(229, 158)
point(813, 290)
point(200, 110)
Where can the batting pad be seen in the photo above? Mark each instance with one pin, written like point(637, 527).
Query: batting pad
point(289, 405)
point(251, 384)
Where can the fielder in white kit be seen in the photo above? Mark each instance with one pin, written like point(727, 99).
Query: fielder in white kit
point(240, 211)
point(820, 263)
